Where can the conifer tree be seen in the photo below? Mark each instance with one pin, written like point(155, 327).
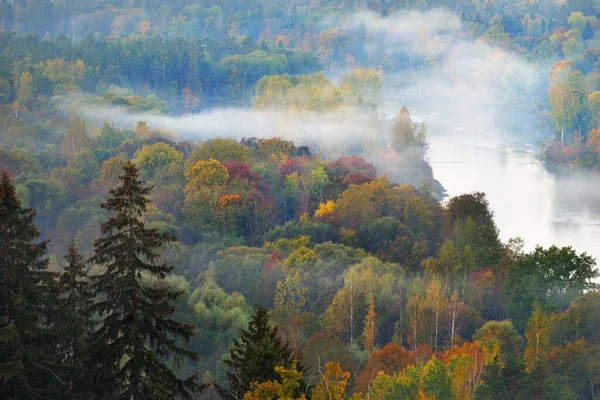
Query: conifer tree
point(25, 343)
point(129, 351)
point(75, 322)
point(255, 355)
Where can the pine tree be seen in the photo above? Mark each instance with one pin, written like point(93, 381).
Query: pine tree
point(75, 321)
point(255, 355)
point(136, 337)
point(25, 342)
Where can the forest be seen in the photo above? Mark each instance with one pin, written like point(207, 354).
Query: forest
point(207, 200)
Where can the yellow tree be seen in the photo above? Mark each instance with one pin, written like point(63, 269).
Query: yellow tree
point(415, 310)
point(76, 139)
point(205, 175)
point(271, 92)
point(24, 87)
point(333, 383)
point(434, 301)
point(564, 103)
point(142, 131)
point(367, 83)
point(370, 327)
point(284, 389)
point(453, 309)
point(447, 263)
point(340, 315)
point(537, 337)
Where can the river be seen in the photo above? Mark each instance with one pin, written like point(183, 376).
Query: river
point(527, 200)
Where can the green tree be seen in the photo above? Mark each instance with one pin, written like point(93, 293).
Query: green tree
point(436, 380)
point(159, 160)
point(75, 322)
point(130, 349)
point(254, 357)
point(25, 347)
point(553, 277)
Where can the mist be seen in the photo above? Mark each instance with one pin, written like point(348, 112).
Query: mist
point(466, 85)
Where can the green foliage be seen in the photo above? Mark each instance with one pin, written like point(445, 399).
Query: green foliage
point(75, 323)
point(552, 277)
point(255, 355)
point(159, 160)
point(134, 310)
point(26, 350)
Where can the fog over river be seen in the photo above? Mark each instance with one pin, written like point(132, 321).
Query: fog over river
point(527, 200)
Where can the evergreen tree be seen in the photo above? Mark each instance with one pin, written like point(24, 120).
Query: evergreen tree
point(75, 322)
point(255, 355)
point(137, 335)
point(588, 32)
point(25, 342)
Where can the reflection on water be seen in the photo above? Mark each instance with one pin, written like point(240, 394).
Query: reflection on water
point(527, 200)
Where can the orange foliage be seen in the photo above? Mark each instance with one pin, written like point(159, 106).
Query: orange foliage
point(391, 359)
point(593, 140)
point(229, 199)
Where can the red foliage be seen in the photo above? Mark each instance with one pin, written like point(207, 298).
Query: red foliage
point(356, 178)
point(241, 171)
point(274, 258)
point(290, 166)
point(343, 167)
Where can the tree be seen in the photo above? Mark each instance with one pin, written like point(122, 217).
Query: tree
point(503, 382)
point(588, 32)
point(370, 327)
point(553, 277)
point(414, 307)
point(594, 106)
point(76, 139)
point(453, 308)
point(75, 322)
point(142, 131)
point(436, 381)
point(500, 337)
point(137, 335)
point(222, 150)
point(24, 87)
point(205, 175)
point(435, 302)
point(287, 389)
point(564, 103)
point(470, 217)
point(333, 383)
point(537, 337)
point(159, 160)
point(254, 356)
point(408, 137)
point(25, 347)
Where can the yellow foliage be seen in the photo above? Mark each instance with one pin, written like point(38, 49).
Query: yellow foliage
point(333, 383)
point(325, 210)
point(283, 390)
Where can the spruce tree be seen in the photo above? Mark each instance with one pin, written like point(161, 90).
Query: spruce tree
point(129, 352)
point(74, 323)
point(255, 355)
point(25, 341)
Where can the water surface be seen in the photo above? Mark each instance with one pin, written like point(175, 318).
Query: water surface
point(527, 201)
